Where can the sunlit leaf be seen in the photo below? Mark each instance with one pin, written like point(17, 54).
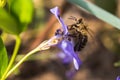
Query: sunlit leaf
point(2, 3)
point(23, 9)
point(98, 12)
point(3, 58)
point(8, 23)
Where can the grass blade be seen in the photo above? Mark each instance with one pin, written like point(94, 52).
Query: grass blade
point(98, 12)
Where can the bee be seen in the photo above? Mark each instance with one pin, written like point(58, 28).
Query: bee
point(79, 32)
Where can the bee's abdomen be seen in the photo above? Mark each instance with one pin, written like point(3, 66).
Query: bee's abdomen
point(81, 43)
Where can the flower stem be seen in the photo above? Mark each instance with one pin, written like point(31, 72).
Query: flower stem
point(17, 46)
point(22, 60)
point(43, 46)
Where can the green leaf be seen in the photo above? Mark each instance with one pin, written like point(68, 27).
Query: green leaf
point(2, 3)
point(23, 9)
point(3, 58)
point(98, 12)
point(8, 23)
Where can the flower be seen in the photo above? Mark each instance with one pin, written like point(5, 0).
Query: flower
point(65, 44)
point(56, 12)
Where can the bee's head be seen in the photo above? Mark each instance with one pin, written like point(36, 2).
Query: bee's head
point(79, 21)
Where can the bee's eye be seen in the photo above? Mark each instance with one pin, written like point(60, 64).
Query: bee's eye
point(80, 20)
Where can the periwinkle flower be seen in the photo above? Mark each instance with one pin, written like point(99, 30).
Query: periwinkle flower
point(56, 12)
point(65, 44)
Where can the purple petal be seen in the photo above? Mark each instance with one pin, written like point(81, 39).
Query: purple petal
point(56, 12)
point(76, 64)
point(76, 60)
point(118, 78)
point(65, 58)
point(67, 47)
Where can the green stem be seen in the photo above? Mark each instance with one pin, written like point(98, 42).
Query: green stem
point(17, 45)
point(43, 46)
point(22, 60)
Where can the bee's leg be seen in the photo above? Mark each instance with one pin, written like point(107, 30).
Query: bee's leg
point(80, 21)
point(70, 27)
point(71, 35)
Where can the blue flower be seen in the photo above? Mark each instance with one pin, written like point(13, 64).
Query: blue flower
point(65, 44)
point(56, 12)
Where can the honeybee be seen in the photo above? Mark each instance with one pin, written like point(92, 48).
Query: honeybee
point(79, 31)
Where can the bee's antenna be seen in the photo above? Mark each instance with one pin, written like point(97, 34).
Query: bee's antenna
point(73, 18)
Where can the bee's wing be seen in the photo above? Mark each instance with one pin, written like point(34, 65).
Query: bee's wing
point(91, 35)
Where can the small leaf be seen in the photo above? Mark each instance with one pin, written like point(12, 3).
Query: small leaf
point(3, 58)
point(8, 23)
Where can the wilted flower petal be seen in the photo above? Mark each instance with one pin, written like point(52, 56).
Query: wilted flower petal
point(47, 43)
